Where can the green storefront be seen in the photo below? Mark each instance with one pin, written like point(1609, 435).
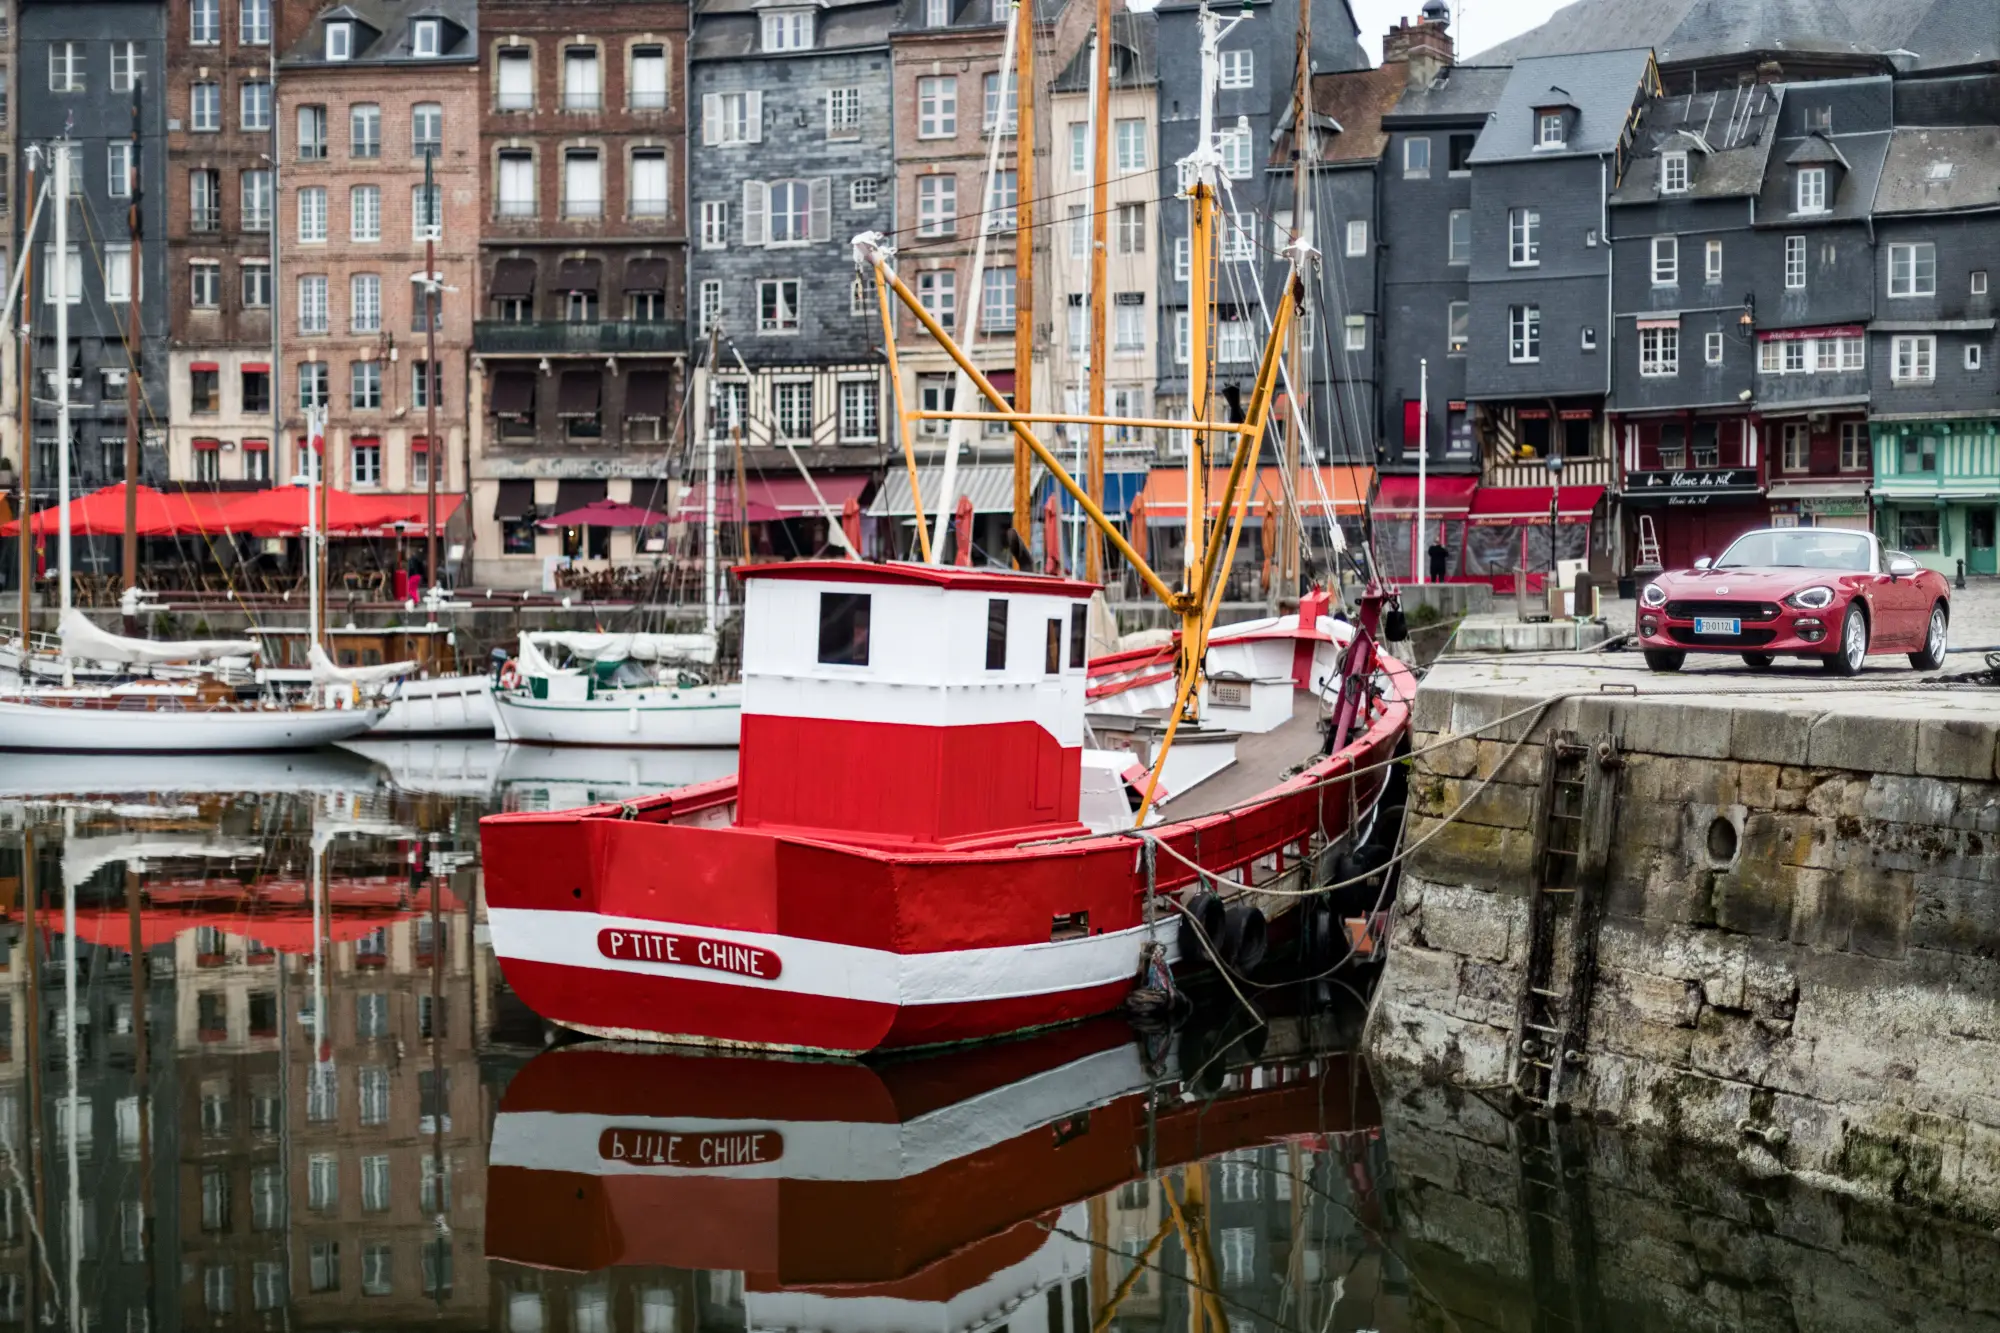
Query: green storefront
point(1937, 490)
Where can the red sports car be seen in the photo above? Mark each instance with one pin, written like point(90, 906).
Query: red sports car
point(1829, 593)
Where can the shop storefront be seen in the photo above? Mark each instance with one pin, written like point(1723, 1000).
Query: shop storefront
point(1936, 491)
point(1445, 502)
point(1508, 529)
point(1691, 513)
point(1821, 503)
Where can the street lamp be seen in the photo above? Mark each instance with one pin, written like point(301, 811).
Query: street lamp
point(1555, 464)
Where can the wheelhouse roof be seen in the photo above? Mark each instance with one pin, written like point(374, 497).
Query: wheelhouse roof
point(953, 578)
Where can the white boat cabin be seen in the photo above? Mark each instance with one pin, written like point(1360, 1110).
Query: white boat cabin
point(911, 703)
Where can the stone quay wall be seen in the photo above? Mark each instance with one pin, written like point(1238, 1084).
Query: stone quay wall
point(1799, 953)
point(1656, 1236)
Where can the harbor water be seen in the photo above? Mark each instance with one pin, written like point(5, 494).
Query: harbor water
point(261, 1071)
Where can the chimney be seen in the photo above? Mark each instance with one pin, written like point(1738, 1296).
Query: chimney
point(1423, 45)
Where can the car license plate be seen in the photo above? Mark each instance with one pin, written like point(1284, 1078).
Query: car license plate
point(1706, 625)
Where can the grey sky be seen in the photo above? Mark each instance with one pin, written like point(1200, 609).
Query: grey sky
point(1477, 24)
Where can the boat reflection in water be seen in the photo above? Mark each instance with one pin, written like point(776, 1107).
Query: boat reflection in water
point(1038, 1184)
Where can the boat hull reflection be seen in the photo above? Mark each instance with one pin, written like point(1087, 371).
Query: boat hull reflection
point(917, 1180)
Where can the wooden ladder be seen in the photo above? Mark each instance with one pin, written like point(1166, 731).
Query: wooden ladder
point(1573, 821)
point(1649, 544)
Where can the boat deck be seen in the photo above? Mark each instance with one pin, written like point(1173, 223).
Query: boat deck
point(1262, 759)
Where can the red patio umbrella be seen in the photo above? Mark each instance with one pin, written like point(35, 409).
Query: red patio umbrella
point(850, 523)
point(606, 514)
point(281, 512)
point(1051, 536)
point(102, 514)
point(964, 529)
point(1269, 537)
point(1138, 526)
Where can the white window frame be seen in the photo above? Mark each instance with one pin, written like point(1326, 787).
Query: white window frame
point(1524, 237)
point(937, 204)
point(364, 213)
point(1457, 314)
point(1524, 335)
point(1550, 131)
point(1659, 353)
point(1978, 282)
point(1456, 256)
point(1857, 452)
point(779, 327)
point(715, 224)
point(312, 215)
point(66, 67)
point(937, 106)
point(205, 23)
point(1811, 191)
point(1238, 70)
point(253, 20)
point(313, 316)
point(205, 107)
point(843, 113)
point(516, 184)
point(1129, 140)
point(1238, 153)
point(858, 426)
point(205, 284)
point(1913, 358)
point(1357, 238)
point(1795, 447)
point(364, 303)
point(732, 118)
point(582, 77)
point(1357, 333)
point(1674, 177)
point(1666, 261)
point(788, 30)
point(1795, 263)
point(1975, 356)
point(1712, 348)
point(127, 63)
point(642, 205)
point(118, 170)
point(1411, 169)
point(639, 96)
point(1712, 263)
point(1914, 257)
point(579, 203)
point(708, 306)
point(864, 192)
point(340, 40)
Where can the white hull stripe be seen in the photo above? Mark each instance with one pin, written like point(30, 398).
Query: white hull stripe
point(828, 1150)
point(839, 971)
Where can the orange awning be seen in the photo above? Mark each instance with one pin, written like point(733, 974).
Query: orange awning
point(1321, 491)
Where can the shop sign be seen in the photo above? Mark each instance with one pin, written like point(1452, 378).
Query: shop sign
point(1683, 487)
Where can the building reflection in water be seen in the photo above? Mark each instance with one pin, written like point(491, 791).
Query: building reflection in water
point(260, 1072)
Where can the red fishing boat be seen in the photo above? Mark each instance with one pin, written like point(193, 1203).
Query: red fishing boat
point(899, 860)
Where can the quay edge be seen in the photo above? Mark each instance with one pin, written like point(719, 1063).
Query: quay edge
point(1798, 954)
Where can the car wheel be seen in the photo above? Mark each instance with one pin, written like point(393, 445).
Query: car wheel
point(1852, 649)
point(1932, 657)
point(1759, 661)
point(1665, 659)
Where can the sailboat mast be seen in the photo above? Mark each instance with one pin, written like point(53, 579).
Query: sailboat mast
point(60, 294)
point(1304, 139)
point(434, 454)
point(708, 538)
point(130, 572)
point(1100, 210)
point(1024, 262)
point(27, 405)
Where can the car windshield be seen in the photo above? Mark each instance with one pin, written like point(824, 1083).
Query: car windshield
point(1798, 548)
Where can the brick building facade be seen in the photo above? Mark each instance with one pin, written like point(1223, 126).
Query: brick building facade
point(582, 335)
point(366, 93)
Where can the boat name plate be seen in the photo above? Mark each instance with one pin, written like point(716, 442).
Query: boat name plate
point(652, 946)
point(656, 1147)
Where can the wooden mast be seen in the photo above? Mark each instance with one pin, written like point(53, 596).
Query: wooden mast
point(1024, 261)
point(27, 433)
point(1100, 210)
point(1285, 589)
point(130, 571)
point(433, 381)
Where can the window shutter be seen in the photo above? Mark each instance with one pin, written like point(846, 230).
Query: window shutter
point(822, 208)
point(711, 118)
point(756, 110)
point(755, 197)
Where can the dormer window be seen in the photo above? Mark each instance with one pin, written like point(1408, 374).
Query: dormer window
point(340, 41)
point(425, 39)
point(1549, 129)
point(937, 13)
point(1674, 173)
point(790, 30)
point(1812, 190)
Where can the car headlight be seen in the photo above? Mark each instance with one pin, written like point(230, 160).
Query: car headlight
point(1654, 595)
point(1816, 598)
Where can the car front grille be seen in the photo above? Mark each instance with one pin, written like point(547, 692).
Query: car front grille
point(1746, 611)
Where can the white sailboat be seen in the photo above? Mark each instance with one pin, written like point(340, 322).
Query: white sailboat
point(616, 690)
point(182, 715)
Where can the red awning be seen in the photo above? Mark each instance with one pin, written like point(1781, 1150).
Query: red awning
point(1397, 496)
point(102, 514)
point(205, 446)
point(1498, 506)
point(281, 512)
point(204, 365)
point(258, 367)
point(789, 496)
point(257, 446)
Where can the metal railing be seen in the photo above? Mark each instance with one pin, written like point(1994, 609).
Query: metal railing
point(495, 337)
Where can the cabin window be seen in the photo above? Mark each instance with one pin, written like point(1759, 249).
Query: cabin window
point(1079, 634)
point(843, 628)
point(996, 634)
point(1052, 658)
